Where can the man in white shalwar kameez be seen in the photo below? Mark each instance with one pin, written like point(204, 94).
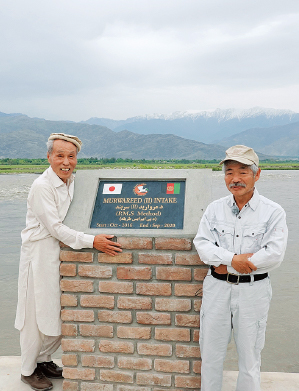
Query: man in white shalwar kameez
point(242, 237)
point(38, 310)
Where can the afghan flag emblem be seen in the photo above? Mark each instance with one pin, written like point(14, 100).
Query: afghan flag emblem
point(173, 188)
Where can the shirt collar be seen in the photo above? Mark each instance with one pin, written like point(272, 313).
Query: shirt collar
point(253, 202)
point(56, 181)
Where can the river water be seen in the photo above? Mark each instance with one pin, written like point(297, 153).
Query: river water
point(281, 353)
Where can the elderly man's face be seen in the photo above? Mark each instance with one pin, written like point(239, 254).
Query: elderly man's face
point(239, 180)
point(63, 159)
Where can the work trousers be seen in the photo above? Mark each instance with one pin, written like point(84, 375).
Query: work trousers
point(243, 308)
point(35, 346)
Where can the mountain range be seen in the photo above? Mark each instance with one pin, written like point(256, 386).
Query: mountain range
point(204, 126)
point(182, 135)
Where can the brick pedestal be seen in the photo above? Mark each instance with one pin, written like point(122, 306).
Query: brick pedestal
point(131, 322)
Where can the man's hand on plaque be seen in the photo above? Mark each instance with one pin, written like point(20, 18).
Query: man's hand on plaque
point(104, 244)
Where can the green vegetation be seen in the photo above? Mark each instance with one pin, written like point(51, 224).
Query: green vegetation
point(11, 166)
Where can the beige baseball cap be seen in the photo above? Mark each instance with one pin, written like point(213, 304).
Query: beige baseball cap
point(241, 154)
point(67, 137)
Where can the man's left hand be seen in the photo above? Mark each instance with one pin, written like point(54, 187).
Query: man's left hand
point(104, 244)
point(221, 269)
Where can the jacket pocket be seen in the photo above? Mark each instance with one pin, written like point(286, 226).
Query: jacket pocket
point(252, 238)
point(225, 235)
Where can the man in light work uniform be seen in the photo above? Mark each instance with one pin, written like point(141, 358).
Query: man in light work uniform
point(242, 237)
point(38, 310)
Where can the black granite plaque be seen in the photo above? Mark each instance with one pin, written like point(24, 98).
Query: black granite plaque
point(139, 205)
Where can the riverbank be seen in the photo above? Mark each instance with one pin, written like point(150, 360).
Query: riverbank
point(271, 381)
point(37, 166)
point(39, 169)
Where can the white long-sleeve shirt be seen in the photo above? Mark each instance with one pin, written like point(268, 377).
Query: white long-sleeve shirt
point(47, 205)
point(259, 228)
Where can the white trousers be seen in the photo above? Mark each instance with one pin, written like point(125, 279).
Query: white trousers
point(35, 346)
point(243, 308)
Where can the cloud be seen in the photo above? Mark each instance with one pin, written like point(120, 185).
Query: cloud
point(77, 59)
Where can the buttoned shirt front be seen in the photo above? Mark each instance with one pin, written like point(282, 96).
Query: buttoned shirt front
point(47, 205)
point(259, 228)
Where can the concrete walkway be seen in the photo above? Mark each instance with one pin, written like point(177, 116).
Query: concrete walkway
point(271, 381)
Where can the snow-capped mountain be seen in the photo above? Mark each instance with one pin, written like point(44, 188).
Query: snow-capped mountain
point(204, 126)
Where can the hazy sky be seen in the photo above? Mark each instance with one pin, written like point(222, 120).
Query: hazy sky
point(72, 60)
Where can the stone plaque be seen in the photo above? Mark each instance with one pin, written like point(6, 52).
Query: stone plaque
point(139, 204)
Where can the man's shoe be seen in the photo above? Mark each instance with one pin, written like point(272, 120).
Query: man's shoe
point(50, 369)
point(37, 381)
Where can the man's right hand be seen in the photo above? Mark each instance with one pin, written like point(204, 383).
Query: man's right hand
point(242, 264)
point(105, 245)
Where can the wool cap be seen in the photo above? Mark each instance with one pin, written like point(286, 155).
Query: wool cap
point(67, 137)
point(241, 154)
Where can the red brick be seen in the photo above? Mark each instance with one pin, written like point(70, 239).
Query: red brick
point(116, 376)
point(68, 270)
point(134, 243)
point(95, 271)
point(98, 301)
point(153, 379)
point(134, 332)
point(128, 388)
point(153, 318)
point(77, 345)
point(180, 366)
point(116, 347)
point(75, 256)
point(97, 361)
point(77, 315)
point(199, 274)
point(197, 367)
point(91, 330)
point(70, 385)
point(187, 320)
point(67, 300)
point(134, 273)
point(173, 305)
point(168, 389)
point(173, 244)
point(155, 259)
point(119, 258)
point(154, 349)
point(187, 259)
point(115, 316)
point(196, 336)
point(188, 381)
point(173, 273)
point(197, 305)
point(80, 374)
point(115, 287)
point(143, 364)
point(187, 289)
point(137, 303)
point(96, 387)
point(69, 360)
point(69, 330)
point(186, 351)
point(76, 285)
point(172, 334)
point(153, 289)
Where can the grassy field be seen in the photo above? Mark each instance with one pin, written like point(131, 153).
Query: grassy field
point(37, 166)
